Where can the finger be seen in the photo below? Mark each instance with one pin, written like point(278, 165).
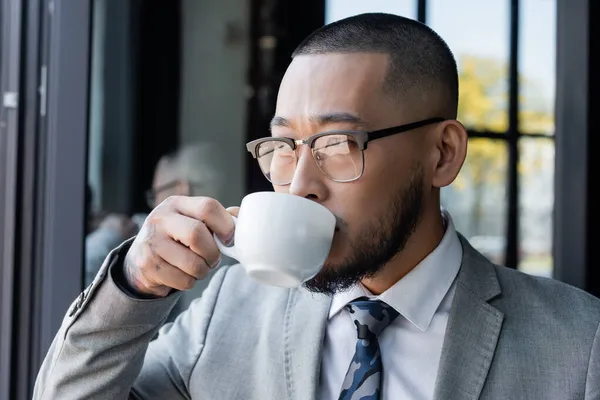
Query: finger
point(209, 211)
point(193, 234)
point(233, 211)
point(183, 258)
point(163, 273)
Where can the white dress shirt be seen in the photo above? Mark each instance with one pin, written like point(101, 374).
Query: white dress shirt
point(411, 346)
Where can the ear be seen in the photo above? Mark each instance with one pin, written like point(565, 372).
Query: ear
point(451, 149)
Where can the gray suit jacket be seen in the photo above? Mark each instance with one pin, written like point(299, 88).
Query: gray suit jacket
point(509, 336)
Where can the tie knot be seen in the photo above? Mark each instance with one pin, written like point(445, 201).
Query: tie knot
point(370, 316)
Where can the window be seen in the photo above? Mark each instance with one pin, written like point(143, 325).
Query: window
point(503, 199)
point(537, 72)
point(152, 123)
point(339, 9)
point(505, 50)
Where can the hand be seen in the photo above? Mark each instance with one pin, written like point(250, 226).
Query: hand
point(175, 246)
point(120, 224)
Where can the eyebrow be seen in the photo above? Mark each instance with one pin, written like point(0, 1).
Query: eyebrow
point(322, 119)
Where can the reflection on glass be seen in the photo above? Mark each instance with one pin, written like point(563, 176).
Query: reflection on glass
point(477, 33)
point(536, 194)
point(477, 199)
point(339, 9)
point(537, 65)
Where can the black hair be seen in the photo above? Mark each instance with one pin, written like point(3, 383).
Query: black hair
point(420, 61)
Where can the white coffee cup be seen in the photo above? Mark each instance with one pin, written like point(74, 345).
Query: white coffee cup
point(281, 239)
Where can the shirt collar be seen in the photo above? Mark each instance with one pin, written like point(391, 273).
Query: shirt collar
point(419, 294)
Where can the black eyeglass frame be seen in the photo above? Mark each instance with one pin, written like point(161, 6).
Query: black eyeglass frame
point(361, 138)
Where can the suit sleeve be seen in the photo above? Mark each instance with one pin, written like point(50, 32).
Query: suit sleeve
point(101, 348)
point(171, 358)
point(592, 387)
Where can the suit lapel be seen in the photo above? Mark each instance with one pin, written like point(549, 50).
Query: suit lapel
point(472, 332)
point(305, 322)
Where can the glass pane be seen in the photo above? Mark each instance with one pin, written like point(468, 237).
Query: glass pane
point(537, 65)
point(339, 9)
point(536, 195)
point(156, 128)
point(111, 135)
point(477, 199)
point(477, 33)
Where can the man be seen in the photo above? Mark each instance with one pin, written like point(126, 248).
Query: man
point(404, 307)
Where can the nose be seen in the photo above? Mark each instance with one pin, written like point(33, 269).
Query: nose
point(308, 180)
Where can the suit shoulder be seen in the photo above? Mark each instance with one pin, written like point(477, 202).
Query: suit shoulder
point(545, 294)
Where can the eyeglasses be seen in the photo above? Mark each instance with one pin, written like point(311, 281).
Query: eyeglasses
point(152, 193)
point(339, 155)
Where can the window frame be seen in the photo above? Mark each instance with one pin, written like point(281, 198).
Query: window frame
point(511, 137)
point(10, 76)
point(42, 212)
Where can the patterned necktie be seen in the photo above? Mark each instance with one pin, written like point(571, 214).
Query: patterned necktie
point(363, 379)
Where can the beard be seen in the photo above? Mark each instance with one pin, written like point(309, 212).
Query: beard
point(378, 243)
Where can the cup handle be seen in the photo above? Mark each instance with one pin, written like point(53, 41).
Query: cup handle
point(229, 251)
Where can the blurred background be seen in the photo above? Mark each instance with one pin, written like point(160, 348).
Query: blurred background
point(110, 106)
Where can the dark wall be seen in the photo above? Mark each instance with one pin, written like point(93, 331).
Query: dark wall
point(277, 27)
point(576, 202)
point(158, 44)
point(593, 267)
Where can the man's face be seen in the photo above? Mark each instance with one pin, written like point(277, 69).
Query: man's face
point(378, 212)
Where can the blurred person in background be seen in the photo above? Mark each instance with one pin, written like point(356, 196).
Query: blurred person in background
point(189, 171)
point(112, 230)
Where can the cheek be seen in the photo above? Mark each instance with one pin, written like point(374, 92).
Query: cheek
point(389, 168)
point(363, 202)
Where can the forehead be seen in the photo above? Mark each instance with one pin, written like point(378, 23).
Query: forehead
point(330, 83)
